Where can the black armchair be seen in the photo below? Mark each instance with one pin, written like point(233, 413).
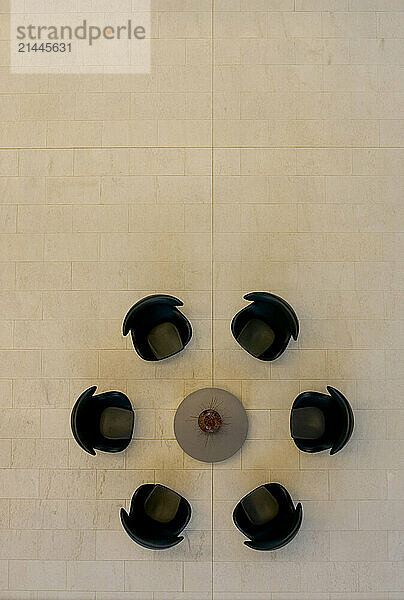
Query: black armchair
point(102, 422)
point(265, 327)
point(268, 517)
point(158, 328)
point(157, 516)
point(321, 421)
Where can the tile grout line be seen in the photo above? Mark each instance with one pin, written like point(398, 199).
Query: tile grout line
point(233, 147)
point(212, 270)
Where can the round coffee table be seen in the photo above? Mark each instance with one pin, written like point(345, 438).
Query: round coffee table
point(211, 425)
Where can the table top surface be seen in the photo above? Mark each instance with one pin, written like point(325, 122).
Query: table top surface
point(223, 441)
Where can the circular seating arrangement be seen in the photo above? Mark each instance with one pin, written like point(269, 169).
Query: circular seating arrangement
point(318, 422)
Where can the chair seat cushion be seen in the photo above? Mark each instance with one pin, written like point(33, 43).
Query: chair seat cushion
point(307, 423)
point(260, 506)
point(162, 504)
point(116, 423)
point(164, 340)
point(256, 336)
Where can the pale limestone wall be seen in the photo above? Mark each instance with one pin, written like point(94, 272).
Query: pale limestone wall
point(264, 151)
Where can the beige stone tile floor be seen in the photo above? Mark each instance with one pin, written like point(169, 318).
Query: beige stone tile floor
point(263, 151)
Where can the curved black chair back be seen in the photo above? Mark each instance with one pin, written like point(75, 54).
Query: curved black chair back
point(157, 516)
point(102, 422)
point(321, 421)
point(265, 327)
point(158, 328)
point(268, 517)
